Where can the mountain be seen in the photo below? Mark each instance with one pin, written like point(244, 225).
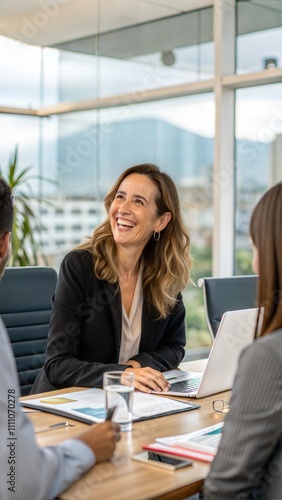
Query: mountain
point(89, 162)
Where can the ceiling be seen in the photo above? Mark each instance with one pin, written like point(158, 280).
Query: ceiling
point(53, 22)
point(73, 24)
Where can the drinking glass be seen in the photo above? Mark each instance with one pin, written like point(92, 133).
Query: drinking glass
point(119, 389)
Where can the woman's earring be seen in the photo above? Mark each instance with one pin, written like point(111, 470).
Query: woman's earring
point(157, 236)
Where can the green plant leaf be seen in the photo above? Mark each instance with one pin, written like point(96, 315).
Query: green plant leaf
point(27, 223)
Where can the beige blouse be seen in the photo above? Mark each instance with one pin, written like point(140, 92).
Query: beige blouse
point(131, 325)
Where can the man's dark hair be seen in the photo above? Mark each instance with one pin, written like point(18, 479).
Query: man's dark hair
point(6, 208)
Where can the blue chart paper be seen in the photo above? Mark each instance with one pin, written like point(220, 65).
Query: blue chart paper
point(93, 412)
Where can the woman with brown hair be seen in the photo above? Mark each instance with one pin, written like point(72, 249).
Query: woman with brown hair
point(118, 303)
point(248, 464)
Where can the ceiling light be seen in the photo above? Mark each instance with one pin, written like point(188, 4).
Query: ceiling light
point(168, 58)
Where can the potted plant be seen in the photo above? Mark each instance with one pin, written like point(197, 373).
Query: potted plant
point(27, 223)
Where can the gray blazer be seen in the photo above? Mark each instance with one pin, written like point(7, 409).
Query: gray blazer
point(248, 464)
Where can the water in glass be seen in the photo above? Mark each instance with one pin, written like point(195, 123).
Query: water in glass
point(120, 396)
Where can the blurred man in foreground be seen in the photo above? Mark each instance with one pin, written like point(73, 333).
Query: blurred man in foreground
point(27, 471)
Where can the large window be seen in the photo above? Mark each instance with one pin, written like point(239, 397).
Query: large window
point(162, 53)
point(258, 157)
point(22, 132)
point(86, 93)
point(259, 40)
point(171, 133)
point(21, 74)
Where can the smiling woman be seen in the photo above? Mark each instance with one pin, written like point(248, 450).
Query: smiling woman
point(133, 213)
point(118, 302)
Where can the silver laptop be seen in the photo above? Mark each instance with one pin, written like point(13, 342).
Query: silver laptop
point(235, 331)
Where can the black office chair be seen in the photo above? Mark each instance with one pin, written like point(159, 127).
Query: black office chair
point(25, 308)
point(227, 294)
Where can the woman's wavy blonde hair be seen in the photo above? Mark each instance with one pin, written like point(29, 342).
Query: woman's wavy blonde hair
point(166, 262)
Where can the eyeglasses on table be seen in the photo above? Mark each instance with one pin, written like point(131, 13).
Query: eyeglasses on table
point(220, 406)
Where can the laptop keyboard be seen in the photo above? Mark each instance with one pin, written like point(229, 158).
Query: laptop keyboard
point(188, 385)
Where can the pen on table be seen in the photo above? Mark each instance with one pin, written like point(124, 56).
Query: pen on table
point(60, 424)
point(110, 413)
point(54, 426)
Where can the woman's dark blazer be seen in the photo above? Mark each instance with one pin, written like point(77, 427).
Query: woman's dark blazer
point(85, 330)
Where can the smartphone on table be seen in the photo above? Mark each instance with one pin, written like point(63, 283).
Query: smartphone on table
point(161, 460)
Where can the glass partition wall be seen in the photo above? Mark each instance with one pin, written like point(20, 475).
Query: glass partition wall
point(83, 95)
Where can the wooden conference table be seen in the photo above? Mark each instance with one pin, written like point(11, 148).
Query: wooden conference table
point(126, 479)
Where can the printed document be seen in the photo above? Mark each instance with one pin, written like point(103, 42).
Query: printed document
point(88, 405)
point(205, 440)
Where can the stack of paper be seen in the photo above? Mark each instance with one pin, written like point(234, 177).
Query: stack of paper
point(200, 445)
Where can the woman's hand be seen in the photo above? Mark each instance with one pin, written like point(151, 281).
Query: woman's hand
point(148, 380)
